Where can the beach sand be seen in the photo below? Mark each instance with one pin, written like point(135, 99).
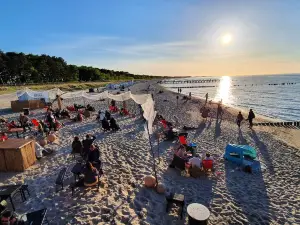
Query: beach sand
point(231, 195)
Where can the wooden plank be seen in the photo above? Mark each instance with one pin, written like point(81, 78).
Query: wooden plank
point(14, 160)
point(2, 161)
point(14, 143)
point(28, 154)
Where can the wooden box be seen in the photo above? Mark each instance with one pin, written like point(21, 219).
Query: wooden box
point(17, 106)
point(16, 155)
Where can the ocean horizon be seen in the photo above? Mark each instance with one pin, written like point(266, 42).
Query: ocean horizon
point(273, 96)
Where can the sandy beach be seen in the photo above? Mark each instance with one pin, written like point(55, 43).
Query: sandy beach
point(232, 196)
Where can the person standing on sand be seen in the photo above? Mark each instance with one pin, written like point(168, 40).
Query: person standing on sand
point(239, 119)
point(219, 110)
point(251, 116)
point(206, 98)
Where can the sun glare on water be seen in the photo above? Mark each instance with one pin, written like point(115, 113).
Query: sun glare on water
point(226, 39)
point(224, 90)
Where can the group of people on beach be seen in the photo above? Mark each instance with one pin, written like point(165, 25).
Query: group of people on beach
point(108, 122)
point(250, 118)
point(90, 154)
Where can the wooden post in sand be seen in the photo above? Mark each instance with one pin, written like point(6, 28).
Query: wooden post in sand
point(59, 102)
point(151, 148)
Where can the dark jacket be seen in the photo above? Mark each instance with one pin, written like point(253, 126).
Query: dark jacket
point(107, 115)
point(105, 124)
point(240, 117)
point(87, 143)
point(76, 147)
point(94, 155)
point(113, 124)
point(251, 115)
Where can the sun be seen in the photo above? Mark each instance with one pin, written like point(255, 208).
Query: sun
point(226, 39)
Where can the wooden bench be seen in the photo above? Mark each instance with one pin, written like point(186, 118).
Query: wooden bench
point(60, 178)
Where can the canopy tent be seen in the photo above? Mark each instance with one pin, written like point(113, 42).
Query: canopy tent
point(28, 94)
point(145, 100)
point(124, 84)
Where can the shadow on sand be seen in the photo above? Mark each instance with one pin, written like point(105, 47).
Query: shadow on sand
point(249, 194)
point(240, 139)
point(263, 150)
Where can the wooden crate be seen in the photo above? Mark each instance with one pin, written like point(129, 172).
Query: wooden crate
point(17, 106)
point(17, 154)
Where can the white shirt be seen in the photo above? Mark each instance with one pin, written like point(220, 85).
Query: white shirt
point(102, 115)
point(195, 161)
point(38, 150)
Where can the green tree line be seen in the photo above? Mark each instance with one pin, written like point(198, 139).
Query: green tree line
point(20, 68)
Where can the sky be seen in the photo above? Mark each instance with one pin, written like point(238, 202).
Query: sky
point(159, 37)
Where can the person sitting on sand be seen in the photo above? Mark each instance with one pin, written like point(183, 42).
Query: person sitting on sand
point(78, 118)
point(208, 157)
point(90, 108)
point(105, 124)
point(76, 107)
point(51, 120)
point(94, 154)
point(239, 119)
point(101, 115)
point(107, 115)
point(181, 151)
point(87, 143)
point(124, 112)
point(76, 146)
point(90, 175)
point(113, 124)
point(12, 124)
point(195, 161)
point(65, 114)
point(8, 218)
point(87, 113)
point(24, 121)
point(43, 128)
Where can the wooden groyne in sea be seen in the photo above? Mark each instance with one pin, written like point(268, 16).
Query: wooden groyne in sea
point(293, 124)
point(188, 81)
point(207, 86)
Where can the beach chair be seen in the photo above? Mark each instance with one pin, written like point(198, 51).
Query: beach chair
point(182, 140)
point(60, 178)
point(207, 165)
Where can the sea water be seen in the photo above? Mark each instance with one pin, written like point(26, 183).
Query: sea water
point(269, 95)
